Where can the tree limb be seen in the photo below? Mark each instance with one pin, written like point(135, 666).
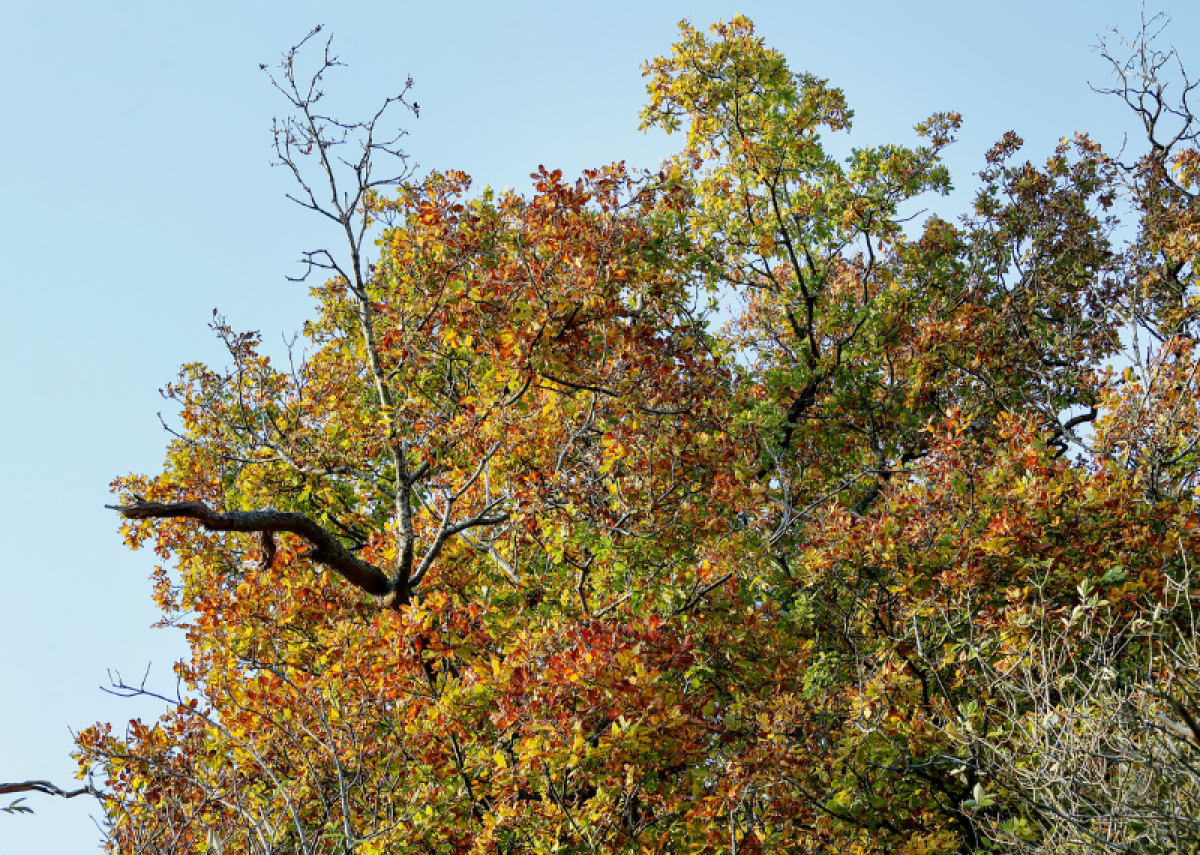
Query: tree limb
point(49, 789)
point(328, 550)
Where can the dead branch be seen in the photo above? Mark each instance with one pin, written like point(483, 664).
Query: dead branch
point(49, 789)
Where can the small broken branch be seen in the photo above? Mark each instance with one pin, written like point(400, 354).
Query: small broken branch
point(49, 789)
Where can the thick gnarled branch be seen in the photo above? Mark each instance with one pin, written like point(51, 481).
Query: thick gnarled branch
point(327, 549)
point(391, 591)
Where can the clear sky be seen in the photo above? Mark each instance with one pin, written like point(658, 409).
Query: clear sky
point(138, 196)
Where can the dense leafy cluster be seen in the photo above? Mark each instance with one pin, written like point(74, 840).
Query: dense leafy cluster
point(837, 567)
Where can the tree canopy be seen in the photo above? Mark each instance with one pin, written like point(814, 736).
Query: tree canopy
point(721, 507)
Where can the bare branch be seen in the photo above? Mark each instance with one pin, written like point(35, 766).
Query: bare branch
point(328, 550)
point(50, 789)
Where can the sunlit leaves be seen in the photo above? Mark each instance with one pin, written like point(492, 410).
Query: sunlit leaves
point(678, 581)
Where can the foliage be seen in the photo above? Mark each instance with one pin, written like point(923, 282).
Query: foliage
point(527, 552)
point(1091, 730)
point(15, 807)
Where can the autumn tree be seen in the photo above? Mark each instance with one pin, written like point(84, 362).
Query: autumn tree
point(1093, 728)
point(531, 549)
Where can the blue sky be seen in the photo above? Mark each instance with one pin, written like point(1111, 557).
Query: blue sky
point(138, 196)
